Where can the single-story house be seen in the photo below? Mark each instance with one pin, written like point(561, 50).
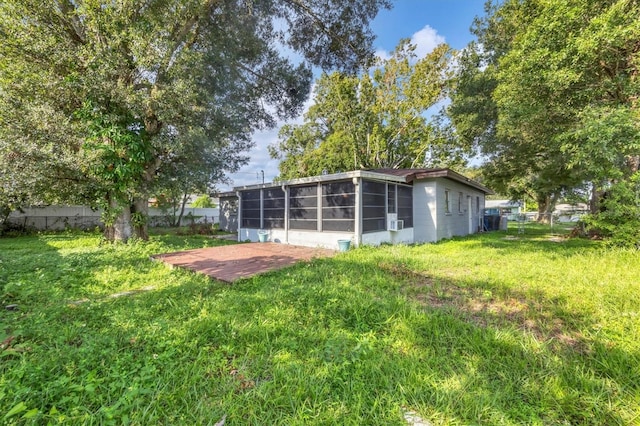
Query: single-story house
point(508, 208)
point(364, 206)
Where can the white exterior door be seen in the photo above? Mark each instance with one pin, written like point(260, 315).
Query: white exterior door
point(470, 214)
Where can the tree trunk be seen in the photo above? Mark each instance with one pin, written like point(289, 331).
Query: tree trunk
point(131, 221)
point(185, 197)
point(633, 163)
point(544, 203)
point(546, 206)
point(594, 200)
point(141, 208)
point(5, 211)
point(120, 230)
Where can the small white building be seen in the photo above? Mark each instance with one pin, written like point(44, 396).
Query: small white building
point(364, 206)
point(508, 208)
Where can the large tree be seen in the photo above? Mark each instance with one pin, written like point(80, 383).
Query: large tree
point(571, 78)
point(550, 94)
point(515, 165)
point(98, 97)
point(374, 120)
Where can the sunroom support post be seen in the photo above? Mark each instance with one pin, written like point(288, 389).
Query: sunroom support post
point(262, 208)
point(285, 189)
point(239, 195)
point(357, 226)
point(319, 206)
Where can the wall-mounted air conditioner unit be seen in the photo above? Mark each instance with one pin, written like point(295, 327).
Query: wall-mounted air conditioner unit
point(396, 225)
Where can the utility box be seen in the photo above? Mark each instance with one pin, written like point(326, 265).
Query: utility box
point(491, 219)
point(504, 223)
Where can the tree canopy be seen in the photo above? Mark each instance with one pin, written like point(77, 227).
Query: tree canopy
point(549, 94)
point(101, 100)
point(372, 120)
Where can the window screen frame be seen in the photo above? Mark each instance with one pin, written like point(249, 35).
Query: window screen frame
point(248, 200)
point(405, 204)
point(395, 203)
point(338, 202)
point(303, 207)
point(375, 195)
point(273, 216)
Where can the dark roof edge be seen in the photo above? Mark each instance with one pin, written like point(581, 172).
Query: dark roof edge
point(450, 174)
point(224, 194)
point(379, 174)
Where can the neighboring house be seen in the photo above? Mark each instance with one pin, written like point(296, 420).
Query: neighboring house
point(364, 206)
point(508, 208)
point(570, 212)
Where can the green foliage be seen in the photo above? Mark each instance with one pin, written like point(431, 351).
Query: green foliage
point(619, 218)
point(549, 94)
point(119, 153)
point(576, 53)
point(106, 102)
point(498, 328)
point(203, 202)
point(171, 203)
point(375, 120)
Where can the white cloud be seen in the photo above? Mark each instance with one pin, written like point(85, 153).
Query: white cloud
point(426, 40)
point(382, 54)
point(259, 161)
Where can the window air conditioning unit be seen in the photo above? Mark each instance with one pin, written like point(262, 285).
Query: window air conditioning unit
point(396, 225)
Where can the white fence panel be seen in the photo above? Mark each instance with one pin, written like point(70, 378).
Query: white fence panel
point(57, 218)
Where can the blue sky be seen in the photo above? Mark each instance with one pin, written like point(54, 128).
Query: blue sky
point(426, 22)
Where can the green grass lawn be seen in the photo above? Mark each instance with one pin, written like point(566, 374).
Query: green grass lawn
point(498, 328)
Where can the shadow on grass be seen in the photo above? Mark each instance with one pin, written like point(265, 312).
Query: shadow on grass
point(334, 340)
point(337, 341)
point(533, 239)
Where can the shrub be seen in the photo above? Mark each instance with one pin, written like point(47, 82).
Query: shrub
point(619, 218)
point(203, 202)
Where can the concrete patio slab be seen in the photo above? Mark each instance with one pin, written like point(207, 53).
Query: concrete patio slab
point(233, 262)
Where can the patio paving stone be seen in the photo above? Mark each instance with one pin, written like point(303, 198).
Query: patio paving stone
point(233, 262)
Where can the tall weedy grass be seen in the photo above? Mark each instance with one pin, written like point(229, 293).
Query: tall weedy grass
point(498, 328)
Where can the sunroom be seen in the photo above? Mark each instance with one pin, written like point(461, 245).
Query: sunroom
point(362, 206)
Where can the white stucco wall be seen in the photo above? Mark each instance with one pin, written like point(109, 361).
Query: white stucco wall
point(424, 211)
point(299, 238)
point(456, 223)
point(404, 236)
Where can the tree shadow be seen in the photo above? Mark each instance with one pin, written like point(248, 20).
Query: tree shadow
point(509, 241)
point(349, 339)
point(337, 331)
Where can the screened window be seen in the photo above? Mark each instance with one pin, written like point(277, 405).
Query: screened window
point(374, 206)
point(447, 202)
point(460, 195)
point(477, 204)
point(338, 206)
point(391, 199)
point(273, 208)
point(303, 207)
point(405, 205)
point(250, 208)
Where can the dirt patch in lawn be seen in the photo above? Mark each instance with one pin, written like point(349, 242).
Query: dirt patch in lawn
point(482, 307)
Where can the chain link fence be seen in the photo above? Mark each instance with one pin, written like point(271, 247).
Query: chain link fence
point(54, 218)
